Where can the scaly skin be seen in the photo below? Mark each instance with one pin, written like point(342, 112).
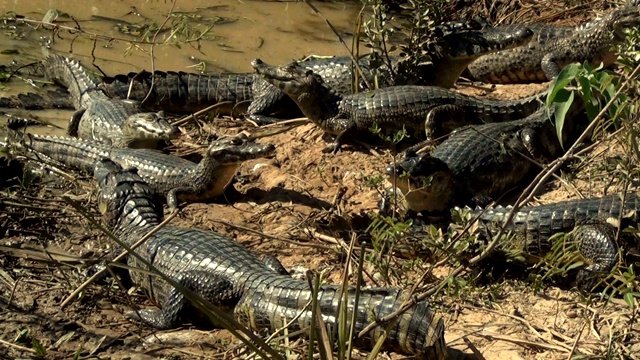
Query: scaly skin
point(587, 219)
point(418, 109)
point(176, 178)
point(554, 47)
point(227, 275)
point(118, 123)
point(480, 162)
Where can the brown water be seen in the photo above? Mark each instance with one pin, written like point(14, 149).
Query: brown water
point(240, 31)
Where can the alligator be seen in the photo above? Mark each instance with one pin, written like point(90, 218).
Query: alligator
point(588, 222)
point(118, 123)
point(420, 110)
point(176, 178)
point(554, 47)
point(478, 163)
point(227, 275)
point(456, 45)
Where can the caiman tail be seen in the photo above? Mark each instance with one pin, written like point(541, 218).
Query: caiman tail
point(76, 153)
point(71, 74)
point(418, 331)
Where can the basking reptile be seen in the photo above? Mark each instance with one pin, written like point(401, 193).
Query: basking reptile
point(175, 177)
point(119, 123)
point(418, 109)
point(456, 45)
point(587, 220)
point(479, 162)
point(227, 275)
point(553, 47)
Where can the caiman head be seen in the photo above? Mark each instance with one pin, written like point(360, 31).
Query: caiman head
point(317, 100)
point(149, 128)
point(457, 44)
point(292, 79)
point(475, 39)
point(425, 182)
point(621, 19)
point(222, 160)
point(236, 149)
point(125, 199)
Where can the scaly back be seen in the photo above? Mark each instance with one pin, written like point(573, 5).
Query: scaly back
point(126, 202)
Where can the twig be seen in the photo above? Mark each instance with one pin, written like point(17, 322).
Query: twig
point(473, 348)
point(355, 61)
point(575, 342)
point(525, 342)
point(153, 60)
point(21, 348)
point(188, 118)
point(260, 233)
point(73, 30)
point(122, 255)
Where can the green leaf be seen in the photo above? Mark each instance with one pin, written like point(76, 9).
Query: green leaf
point(629, 298)
point(50, 16)
point(575, 265)
point(562, 104)
point(37, 346)
point(566, 75)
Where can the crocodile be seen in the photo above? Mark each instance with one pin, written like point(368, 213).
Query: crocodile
point(588, 222)
point(554, 47)
point(480, 162)
point(176, 178)
point(227, 275)
point(456, 45)
point(420, 110)
point(118, 123)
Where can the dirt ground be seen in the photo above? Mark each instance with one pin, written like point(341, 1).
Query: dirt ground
point(297, 205)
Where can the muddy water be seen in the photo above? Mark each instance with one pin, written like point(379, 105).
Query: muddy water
point(232, 34)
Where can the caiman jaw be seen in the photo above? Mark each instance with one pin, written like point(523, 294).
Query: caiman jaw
point(237, 149)
point(283, 73)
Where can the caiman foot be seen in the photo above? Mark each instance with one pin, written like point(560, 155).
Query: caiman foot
point(596, 242)
point(274, 264)
point(261, 119)
point(332, 149)
point(211, 287)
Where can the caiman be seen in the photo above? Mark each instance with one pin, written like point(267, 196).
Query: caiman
point(420, 110)
point(176, 178)
point(227, 275)
point(588, 222)
point(119, 123)
point(479, 163)
point(554, 47)
point(456, 44)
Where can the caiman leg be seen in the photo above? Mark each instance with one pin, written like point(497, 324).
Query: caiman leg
point(348, 133)
point(596, 242)
point(274, 264)
point(450, 115)
point(214, 288)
